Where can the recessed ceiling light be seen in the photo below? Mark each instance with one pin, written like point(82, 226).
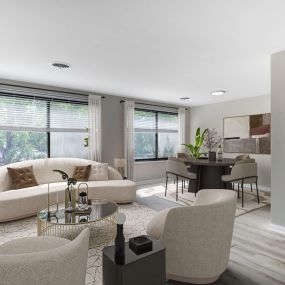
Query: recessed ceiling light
point(184, 98)
point(60, 65)
point(218, 92)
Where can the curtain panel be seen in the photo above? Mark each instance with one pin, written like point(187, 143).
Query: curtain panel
point(94, 127)
point(129, 114)
point(181, 129)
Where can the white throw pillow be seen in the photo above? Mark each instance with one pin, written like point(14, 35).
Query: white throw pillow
point(99, 172)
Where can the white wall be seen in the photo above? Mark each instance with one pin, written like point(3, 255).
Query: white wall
point(278, 138)
point(211, 116)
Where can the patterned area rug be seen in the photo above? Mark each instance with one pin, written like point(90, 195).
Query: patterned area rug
point(187, 199)
point(138, 217)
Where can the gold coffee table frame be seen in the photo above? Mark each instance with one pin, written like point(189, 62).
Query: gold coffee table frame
point(102, 228)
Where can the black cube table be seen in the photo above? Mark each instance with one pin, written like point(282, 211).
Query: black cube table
point(144, 269)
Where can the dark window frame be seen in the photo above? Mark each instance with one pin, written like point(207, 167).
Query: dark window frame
point(156, 158)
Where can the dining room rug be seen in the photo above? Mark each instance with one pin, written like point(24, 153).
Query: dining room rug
point(187, 198)
point(137, 217)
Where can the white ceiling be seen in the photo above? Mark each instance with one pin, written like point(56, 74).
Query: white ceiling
point(152, 49)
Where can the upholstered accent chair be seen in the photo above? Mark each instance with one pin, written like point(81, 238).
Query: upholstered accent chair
point(177, 168)
point(198, 237)
point(44, 260)
point(243, 172)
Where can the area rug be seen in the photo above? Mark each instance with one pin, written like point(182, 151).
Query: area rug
point(137, 215)
point(187, 198)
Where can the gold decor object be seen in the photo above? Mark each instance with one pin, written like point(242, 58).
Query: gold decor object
point(82, 197)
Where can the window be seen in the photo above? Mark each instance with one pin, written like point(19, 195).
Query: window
point(156, 134)
point(38, 127)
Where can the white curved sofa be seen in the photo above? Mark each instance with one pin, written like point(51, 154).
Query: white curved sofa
point(25, 202)
point(44, 260)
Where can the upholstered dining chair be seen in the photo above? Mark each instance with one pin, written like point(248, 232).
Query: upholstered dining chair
point(177, 168)
point(241, 157)
point(183, 155)
point(198, 237)
point(243, 172)
point(44, 260)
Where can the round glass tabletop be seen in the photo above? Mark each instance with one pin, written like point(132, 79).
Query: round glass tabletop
point(98, 210)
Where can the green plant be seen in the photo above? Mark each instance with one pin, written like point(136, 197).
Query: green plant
point(195, 149)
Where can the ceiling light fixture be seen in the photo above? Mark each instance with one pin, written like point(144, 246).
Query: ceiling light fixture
point(218, 92)
point(61, 65)
point(184, 98)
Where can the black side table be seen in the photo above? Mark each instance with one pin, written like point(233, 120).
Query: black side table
point(144, 269)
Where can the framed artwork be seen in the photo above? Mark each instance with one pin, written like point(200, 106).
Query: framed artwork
point(248, 134)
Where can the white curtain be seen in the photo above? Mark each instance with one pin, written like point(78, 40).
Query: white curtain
point(129, 114)
point(181, 128)
point(94, 127)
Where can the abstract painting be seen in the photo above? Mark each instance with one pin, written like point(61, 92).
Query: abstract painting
point(248, 134)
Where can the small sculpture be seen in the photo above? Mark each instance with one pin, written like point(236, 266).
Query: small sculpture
point(120, 219)
point(69, 191)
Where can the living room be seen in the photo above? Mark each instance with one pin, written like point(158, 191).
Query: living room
point(142, 143)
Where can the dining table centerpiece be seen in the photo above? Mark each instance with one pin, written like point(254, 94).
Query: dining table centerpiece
point(211, 142)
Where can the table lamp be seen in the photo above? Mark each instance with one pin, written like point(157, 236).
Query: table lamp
point(120, 164)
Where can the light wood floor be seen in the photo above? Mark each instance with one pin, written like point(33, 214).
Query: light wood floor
point(258, 254)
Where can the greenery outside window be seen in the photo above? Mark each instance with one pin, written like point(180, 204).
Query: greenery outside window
point(156, 134)
point(34, 127)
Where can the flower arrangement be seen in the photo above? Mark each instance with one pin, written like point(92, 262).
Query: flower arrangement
point(211, 140)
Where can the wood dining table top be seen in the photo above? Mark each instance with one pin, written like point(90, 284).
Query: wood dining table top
point(207, 162)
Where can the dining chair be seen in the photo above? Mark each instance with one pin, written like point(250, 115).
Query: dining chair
point(241, 161)
point(186, 156)
point(241, 157)
point(243, 173)
point(177, 168)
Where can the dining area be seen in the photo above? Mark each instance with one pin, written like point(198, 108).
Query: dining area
point(194, 170)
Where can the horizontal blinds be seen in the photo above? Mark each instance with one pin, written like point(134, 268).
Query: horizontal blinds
point(157, 108)
point(42, 93)
point(155, 121)
point(34, 113)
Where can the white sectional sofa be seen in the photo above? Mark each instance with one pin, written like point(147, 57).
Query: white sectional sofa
point(24, 202)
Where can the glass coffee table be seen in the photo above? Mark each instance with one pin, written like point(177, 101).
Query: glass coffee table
point(100, 220)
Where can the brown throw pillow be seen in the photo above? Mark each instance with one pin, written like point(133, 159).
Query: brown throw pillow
point(22, 177)
point(81, 173)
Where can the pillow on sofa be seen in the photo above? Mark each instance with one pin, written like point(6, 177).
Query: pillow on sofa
point(81, 173)
point(99, 172)
point(22, 177)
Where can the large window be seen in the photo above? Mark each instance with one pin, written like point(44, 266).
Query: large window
point(156, 134)
point(37, 127)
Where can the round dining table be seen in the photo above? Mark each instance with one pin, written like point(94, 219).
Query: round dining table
point(209, 173)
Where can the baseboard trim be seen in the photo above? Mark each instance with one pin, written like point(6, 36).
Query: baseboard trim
point(150, 182)
point(162, 180)
point(276, 228)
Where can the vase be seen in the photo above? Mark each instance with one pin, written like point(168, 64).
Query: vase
point(120, 245)
point(212, 155)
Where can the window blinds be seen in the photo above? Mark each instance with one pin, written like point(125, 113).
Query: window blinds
point(20, 112)
point(155, 121)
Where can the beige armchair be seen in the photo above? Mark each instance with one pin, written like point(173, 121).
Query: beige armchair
point(44, 260)
point(177, 168)
point(243, 172)
point(198, 237)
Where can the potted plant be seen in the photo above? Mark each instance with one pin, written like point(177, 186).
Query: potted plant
point(195, 149)
point(211, 141)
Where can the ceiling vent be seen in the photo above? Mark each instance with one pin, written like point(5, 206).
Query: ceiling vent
point(60, 65)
